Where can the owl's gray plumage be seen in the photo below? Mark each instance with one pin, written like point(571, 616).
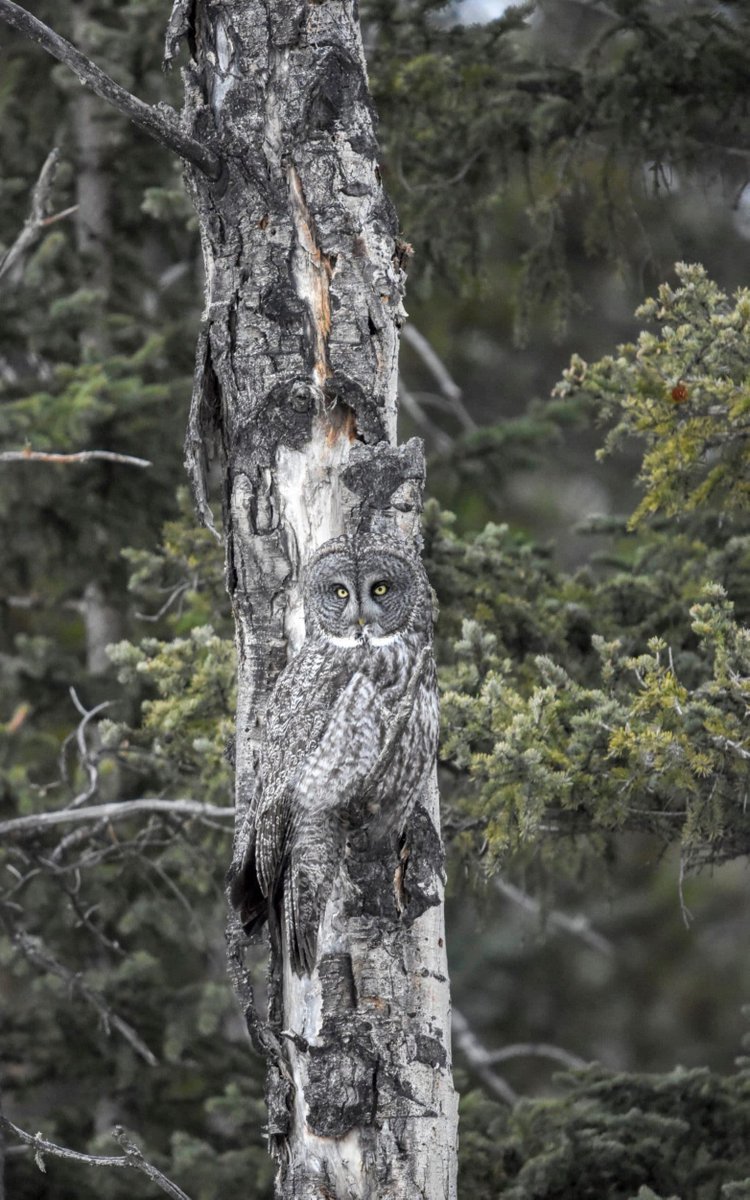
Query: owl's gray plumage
point(351, 731)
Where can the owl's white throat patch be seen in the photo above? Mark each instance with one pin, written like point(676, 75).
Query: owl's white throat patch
point(364, 639)
point(386, 640)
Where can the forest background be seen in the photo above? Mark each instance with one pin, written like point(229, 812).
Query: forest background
point(549, 166)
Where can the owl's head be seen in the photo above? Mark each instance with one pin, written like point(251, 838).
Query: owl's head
point(366, 589)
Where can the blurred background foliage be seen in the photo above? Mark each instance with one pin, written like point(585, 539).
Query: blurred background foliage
point(550, 162)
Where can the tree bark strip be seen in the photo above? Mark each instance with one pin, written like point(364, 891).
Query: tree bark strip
point(296, 387)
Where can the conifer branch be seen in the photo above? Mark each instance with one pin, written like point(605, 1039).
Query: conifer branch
point(158, 121)
point(132, 1158)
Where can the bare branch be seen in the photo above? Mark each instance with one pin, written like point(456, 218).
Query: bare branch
point(440, 373)
point(37, 215)
point(467, 1042)
point(34, 950)
point(160, 122)
point(27, 455)
point(87, 762)
point(579, 925)
point(119, 811)
point(411, 405)
point(536, 1050)
point(174, 595)
point(482, 1059)
point(132, 1158)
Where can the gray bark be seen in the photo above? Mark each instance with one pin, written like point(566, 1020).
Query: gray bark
point(295, 389)
point(92, 218)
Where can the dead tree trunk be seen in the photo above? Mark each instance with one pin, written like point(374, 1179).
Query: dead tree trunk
point(296, 386)
point(295, 393)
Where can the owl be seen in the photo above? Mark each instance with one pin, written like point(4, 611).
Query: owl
point(350, 736)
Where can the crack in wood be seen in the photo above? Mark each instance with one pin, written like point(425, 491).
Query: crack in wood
point(312, 270)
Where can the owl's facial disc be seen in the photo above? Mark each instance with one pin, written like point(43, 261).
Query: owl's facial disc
point(363, 596)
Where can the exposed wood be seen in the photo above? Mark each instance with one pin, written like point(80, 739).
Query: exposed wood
point(37, 217)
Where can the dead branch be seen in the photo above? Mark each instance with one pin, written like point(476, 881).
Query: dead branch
point(158, 121)
point(35, 952)
point(440, 373)
point(424, 423)
point(37, 215)
point(579, 926)
point(84, 753)
point(132, 1158)
point(536, 1050)
point(468, 1043)
point(117, 811)
point(45, 456)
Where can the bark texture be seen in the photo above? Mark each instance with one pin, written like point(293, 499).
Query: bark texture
point(295, 390)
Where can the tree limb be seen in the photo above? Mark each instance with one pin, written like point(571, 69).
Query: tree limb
point(440, 373)
point(467, 1041)
point(131, 1158)
point(160, 122)
point(45, 456)
point(37, 215)
point(37, 822)
point(34, 950)
point(579, 925)
point(536, 1050)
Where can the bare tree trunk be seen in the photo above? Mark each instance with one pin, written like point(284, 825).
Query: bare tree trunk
point(296, 388)
point(92, 218)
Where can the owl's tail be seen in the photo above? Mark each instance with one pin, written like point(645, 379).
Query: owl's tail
point(307, 886)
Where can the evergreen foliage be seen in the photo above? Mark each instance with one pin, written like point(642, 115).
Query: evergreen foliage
point(685, 1134)
point(617, 698)
point(586, 702)
point(581, 111)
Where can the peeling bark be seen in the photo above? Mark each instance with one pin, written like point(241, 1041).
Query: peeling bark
point(295, 389)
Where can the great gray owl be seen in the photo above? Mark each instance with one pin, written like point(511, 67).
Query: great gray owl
point(351, 731)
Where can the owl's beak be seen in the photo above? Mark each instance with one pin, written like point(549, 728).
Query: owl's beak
point(361, 621)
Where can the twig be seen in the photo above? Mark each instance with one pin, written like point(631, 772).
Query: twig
point(80, 455)
point(119, 811)
point(174, 595)
point(160, 122)
point(36, 952)
point(478, 1056)
point(439, 372)
point(536, 1050)
point(411, 405)
point(579, 925)
point(91, 768)
point(36, 218)
point(132, 1158)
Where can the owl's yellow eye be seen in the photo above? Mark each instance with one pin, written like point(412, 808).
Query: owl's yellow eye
point(342, 592)
point(380, 589)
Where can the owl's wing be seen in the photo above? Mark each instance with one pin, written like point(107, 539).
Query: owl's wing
point(300, 823)
point(320, 783)
point(297, 713)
